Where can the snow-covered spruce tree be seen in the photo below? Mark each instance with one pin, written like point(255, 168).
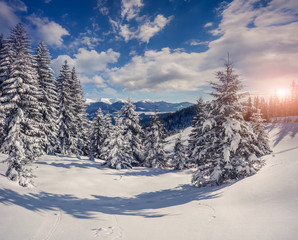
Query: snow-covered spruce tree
point(80, 114)
point(179, 161)
point(108, 131)
point(230, 146)
point(118, 148)
point(20, 108)
point(48, 98)
point(1, 41)
point(98, 135)
point(259, 130)
point(67, 128)
point(133, 132)
point(155, 155)
point(6, 58)
point(196, 140)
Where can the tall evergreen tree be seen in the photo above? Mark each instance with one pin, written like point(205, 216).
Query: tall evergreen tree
point(98, 135)
point(6, 59)
point(230, 148)
point(155, 155)
point(1, 41)
point(67, 132)
point(133, 132)
point(179, 161)
point(259, 129)
point(107, 135)
point(82, 123)
point(196, 140)
point(118, 154)
point(48, 98)
point(249, 109)
point(20, 107)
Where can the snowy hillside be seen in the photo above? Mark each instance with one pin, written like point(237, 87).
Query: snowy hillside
point(80, 199)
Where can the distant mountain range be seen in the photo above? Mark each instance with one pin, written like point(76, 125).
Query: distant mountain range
point(144, 107)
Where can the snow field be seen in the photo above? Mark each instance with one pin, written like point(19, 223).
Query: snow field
point(80, 199)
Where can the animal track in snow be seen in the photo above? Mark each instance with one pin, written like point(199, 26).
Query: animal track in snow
point(108, 233)
point(212, 209)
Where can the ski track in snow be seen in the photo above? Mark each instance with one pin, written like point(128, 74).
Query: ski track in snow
point(54, 227)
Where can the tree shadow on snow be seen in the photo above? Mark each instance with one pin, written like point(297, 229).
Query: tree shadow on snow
point(285, 129)
point(144, 172)
point(71, 164)
point(144, 204)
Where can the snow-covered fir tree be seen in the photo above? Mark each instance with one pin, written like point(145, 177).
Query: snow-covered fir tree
point(179, 161)
point(107, 133)
point(98, 135)
point(48, 98)
point(133, 132)
point(118, 154)
point(259, 129)
point(230, 148)
point(6, 58)
point(67, 128)
point(19, 107)
point(196, 140)
point(155, 154)
point(82, 122)
point(1, 41)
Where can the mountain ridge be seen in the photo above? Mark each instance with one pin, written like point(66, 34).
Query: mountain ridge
point(142, 106)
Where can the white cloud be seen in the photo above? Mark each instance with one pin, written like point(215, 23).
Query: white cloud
point(92, 62)
point(86, 40)
point(130, 9)
point(58, 62)
point(101, 7)
point(146, 27)
point(49, 31)
point(149, 29)
point(208, 24)
point(145, 31)
point(8, 17)
point(89, 64)
point(160, 70)
point(97, 80)
point(18, 5)
point(197, 42)
point(262, 42)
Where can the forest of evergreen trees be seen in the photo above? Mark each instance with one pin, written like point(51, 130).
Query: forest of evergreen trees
point(274, 106)
point(41, 114)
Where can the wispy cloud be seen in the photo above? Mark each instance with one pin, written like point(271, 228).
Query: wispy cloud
point(208, 24)
point(101, 7)
point(147, 27)
point(130, 9)
point(197, 42)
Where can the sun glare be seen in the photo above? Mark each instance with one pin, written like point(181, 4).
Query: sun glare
point(282, 92)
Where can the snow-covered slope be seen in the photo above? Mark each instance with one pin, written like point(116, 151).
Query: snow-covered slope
point(80, 199)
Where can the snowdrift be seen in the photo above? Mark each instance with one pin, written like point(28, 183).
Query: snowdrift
point(79, 199)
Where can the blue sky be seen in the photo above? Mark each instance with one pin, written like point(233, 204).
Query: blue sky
point(164, 49)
